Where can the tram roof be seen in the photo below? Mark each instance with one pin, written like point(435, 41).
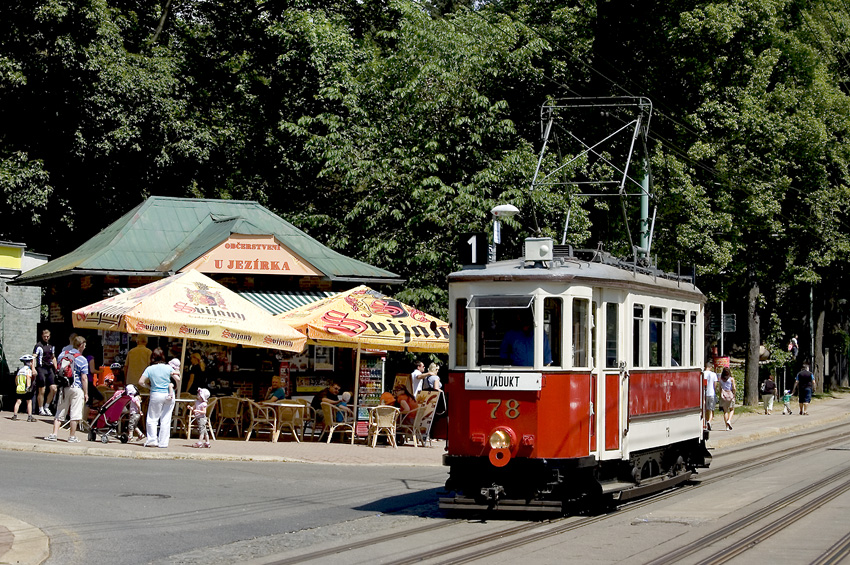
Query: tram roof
point(598, 269)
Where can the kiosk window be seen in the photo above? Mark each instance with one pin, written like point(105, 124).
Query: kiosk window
point(581, 309)
point(460, 332)
point(637, 336)
point(656, 336)
point(611, 334)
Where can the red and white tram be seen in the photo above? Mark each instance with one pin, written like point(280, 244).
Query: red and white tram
point(574, 376)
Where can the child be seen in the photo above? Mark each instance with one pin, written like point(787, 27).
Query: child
point(786, 400)
point(175, 376)
point(345, 398)
point(135, 412)
point(199, 412)
point(23, 388)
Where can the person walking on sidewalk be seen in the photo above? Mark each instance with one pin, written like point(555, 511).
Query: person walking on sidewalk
point(768, 393)
point(23, 387)
point(727, 396)
point(805, 382)
point(73, 397)
point(709, 378)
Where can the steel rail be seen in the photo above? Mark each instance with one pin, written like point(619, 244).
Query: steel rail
point(750, 519)
point(749, 542)
point(836, 553)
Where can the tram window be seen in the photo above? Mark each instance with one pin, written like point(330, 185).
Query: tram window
point(611, 334)
point(693, 342)
point(593, 326)
point(580, 312)
point(460, 332)
point(677, 337)
point(637, 333)
point(552, 323)
point(656, 336)
point(506, 337)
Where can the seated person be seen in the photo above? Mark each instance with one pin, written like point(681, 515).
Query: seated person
point(389, 399)
point(276, 392)
point(405, 402)
point(345, 398)
point(330, 394)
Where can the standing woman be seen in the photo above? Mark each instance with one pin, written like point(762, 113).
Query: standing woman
point(161, 404)
point(727, 396)
point(197, 369)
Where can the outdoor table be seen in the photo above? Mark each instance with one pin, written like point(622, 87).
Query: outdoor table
point(297, 414)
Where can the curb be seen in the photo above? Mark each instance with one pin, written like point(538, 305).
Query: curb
point(29, 546)
point(157, 455)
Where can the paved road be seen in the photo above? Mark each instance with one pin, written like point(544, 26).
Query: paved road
point(102, 510)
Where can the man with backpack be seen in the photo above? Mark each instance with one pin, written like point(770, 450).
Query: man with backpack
point(45, 366)
point(74, 393)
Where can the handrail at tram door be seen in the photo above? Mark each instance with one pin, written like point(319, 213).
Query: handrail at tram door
point(624, 380)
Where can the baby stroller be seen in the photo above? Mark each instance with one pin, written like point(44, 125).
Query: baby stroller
point(108, 418)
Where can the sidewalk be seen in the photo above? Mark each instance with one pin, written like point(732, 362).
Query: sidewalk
point(752, 427)
point(21, 435)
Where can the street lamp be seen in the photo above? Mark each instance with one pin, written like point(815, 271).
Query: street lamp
point(500, 211)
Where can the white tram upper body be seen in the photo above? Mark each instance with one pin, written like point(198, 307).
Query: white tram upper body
point(580, 375)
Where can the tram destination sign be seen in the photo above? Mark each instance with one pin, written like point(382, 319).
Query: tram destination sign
point(503, 380)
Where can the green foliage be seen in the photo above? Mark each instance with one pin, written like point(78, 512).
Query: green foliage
point(385, 128)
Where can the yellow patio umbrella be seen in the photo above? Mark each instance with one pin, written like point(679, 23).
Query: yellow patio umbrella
point(363, 318)
point(190, 305)
point(366, 318)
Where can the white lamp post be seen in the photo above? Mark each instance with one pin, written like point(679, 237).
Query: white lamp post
point(500, 211)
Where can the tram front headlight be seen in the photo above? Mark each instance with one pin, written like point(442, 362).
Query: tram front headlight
point(500, 440)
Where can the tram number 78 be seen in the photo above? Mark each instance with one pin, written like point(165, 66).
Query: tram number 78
point(511, 407)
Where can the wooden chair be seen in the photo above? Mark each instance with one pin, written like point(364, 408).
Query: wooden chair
point(229, 410)
point(383, 418)
point(329, 411)
point(419, 430)
point(211, 404)
point(261, 419)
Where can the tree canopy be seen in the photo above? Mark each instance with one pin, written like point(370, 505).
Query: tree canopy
point(387, 127)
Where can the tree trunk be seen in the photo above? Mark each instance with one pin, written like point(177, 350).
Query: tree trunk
point(817, 356)
point(751, 383)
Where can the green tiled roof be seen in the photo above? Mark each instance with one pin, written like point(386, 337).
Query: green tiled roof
point(165, 234)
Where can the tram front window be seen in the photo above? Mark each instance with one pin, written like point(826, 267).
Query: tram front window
point(506, 338)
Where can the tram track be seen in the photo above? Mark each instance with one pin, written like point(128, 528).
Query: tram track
point(555, 526)
point(737, 548)
point(837, 553)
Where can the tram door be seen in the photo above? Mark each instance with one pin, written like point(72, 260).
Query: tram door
point(612, 383)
